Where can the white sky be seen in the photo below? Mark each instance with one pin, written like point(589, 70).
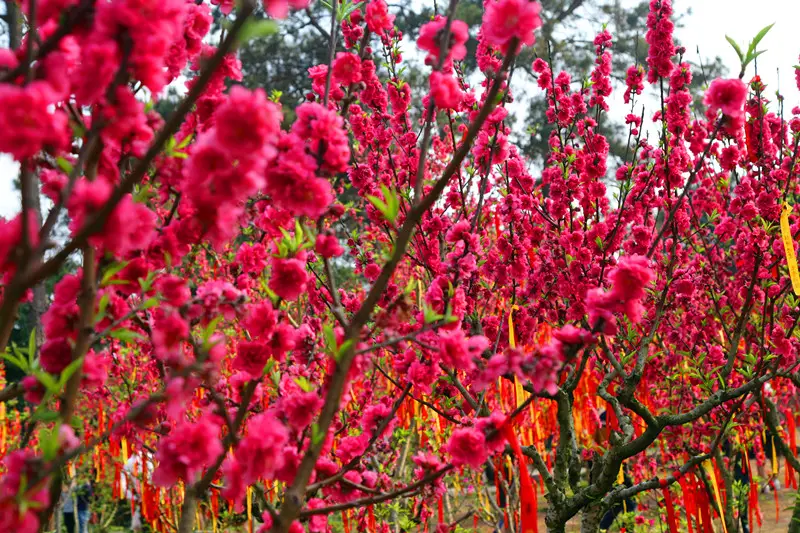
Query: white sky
point(706, 27)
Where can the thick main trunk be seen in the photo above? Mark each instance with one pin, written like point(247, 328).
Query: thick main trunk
point(794, 525)
point(591, 517)
point(553, 522)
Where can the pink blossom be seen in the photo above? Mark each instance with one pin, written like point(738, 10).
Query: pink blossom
point(55, 355)
point(430, 37)
point(186, 451)
point(458, 351)
point(279, 9)
point(27, 125)
point(727, 96)
point(467, 446)
point(251, 358)
point(34, 390)
point(169, 331)
point(504, 20)
point(289, 278)
point(247, 123)
point(347, 68)
point(445, 91)
point(95, 370)
point(327, 245)
point(261, 320)
point(378, 19)
point(300, 407)
point(19, 473)
point(260, 453)
point(66, 438)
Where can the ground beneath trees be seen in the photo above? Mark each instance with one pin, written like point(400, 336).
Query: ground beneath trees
point(766, 502)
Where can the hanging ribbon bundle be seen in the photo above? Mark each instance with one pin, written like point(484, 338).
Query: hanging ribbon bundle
point(688, 501)
point(670, 507)
point(527, 494)
point(791, 478)
point(709, 469)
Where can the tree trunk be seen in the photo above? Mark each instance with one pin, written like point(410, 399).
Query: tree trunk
point(731, 523)
point(794, 524)
point(553, 521)
point(591, 517)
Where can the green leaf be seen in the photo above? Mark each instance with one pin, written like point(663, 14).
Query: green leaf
point(45, 415)
point(48, 381)
point(760, 35)
point(185, 142)
point(48, 442)
point(126, 335)
point(343, 348)
point(212, 326)
point(268, 367)
point(430, 315)
point(736, 47)
point(304, 384)
point(32, 345)
point(389, 206)
point(330, 337)
point(257, 29)
point(101, 307)
point(64, 165)
point(147, 283)
point(151, 302)
point(112, 271)
point(317, 436)
point(69, 371)
point(16, 360)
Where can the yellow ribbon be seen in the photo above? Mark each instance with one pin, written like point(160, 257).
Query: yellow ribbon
point(788, 248)
point(774, 457)
point(250, 509)
point(713, 478)
point(512, 340)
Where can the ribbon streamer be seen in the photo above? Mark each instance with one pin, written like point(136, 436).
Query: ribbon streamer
point(788, 248)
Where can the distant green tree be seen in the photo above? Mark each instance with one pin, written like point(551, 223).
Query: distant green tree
point(279, 62)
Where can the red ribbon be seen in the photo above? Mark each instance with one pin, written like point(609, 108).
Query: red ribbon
point(527, 494)
point(673, 525)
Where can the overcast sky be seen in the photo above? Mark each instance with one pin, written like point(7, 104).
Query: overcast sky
point(705, 27)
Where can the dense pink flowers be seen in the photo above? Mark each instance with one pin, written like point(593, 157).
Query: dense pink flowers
point(659, 38)
point(445, 91)
point(15, 489)
point(727, 96)
point(328, 246)
point(504, 20)
point(260, 453)
point(629, 279)
point(378, 18)
point(247, 123)
point(289, 277)
point(245, 274)
point(188, 449)
point(430, 40)
point(279, 9)
point(347, 68)
point(27, 125)
point(467, 446)
point(458, 351)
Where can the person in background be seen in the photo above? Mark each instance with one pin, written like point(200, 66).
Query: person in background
point(68, 508)
point(491, 472)
point(76, 510)
point(84, 495)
